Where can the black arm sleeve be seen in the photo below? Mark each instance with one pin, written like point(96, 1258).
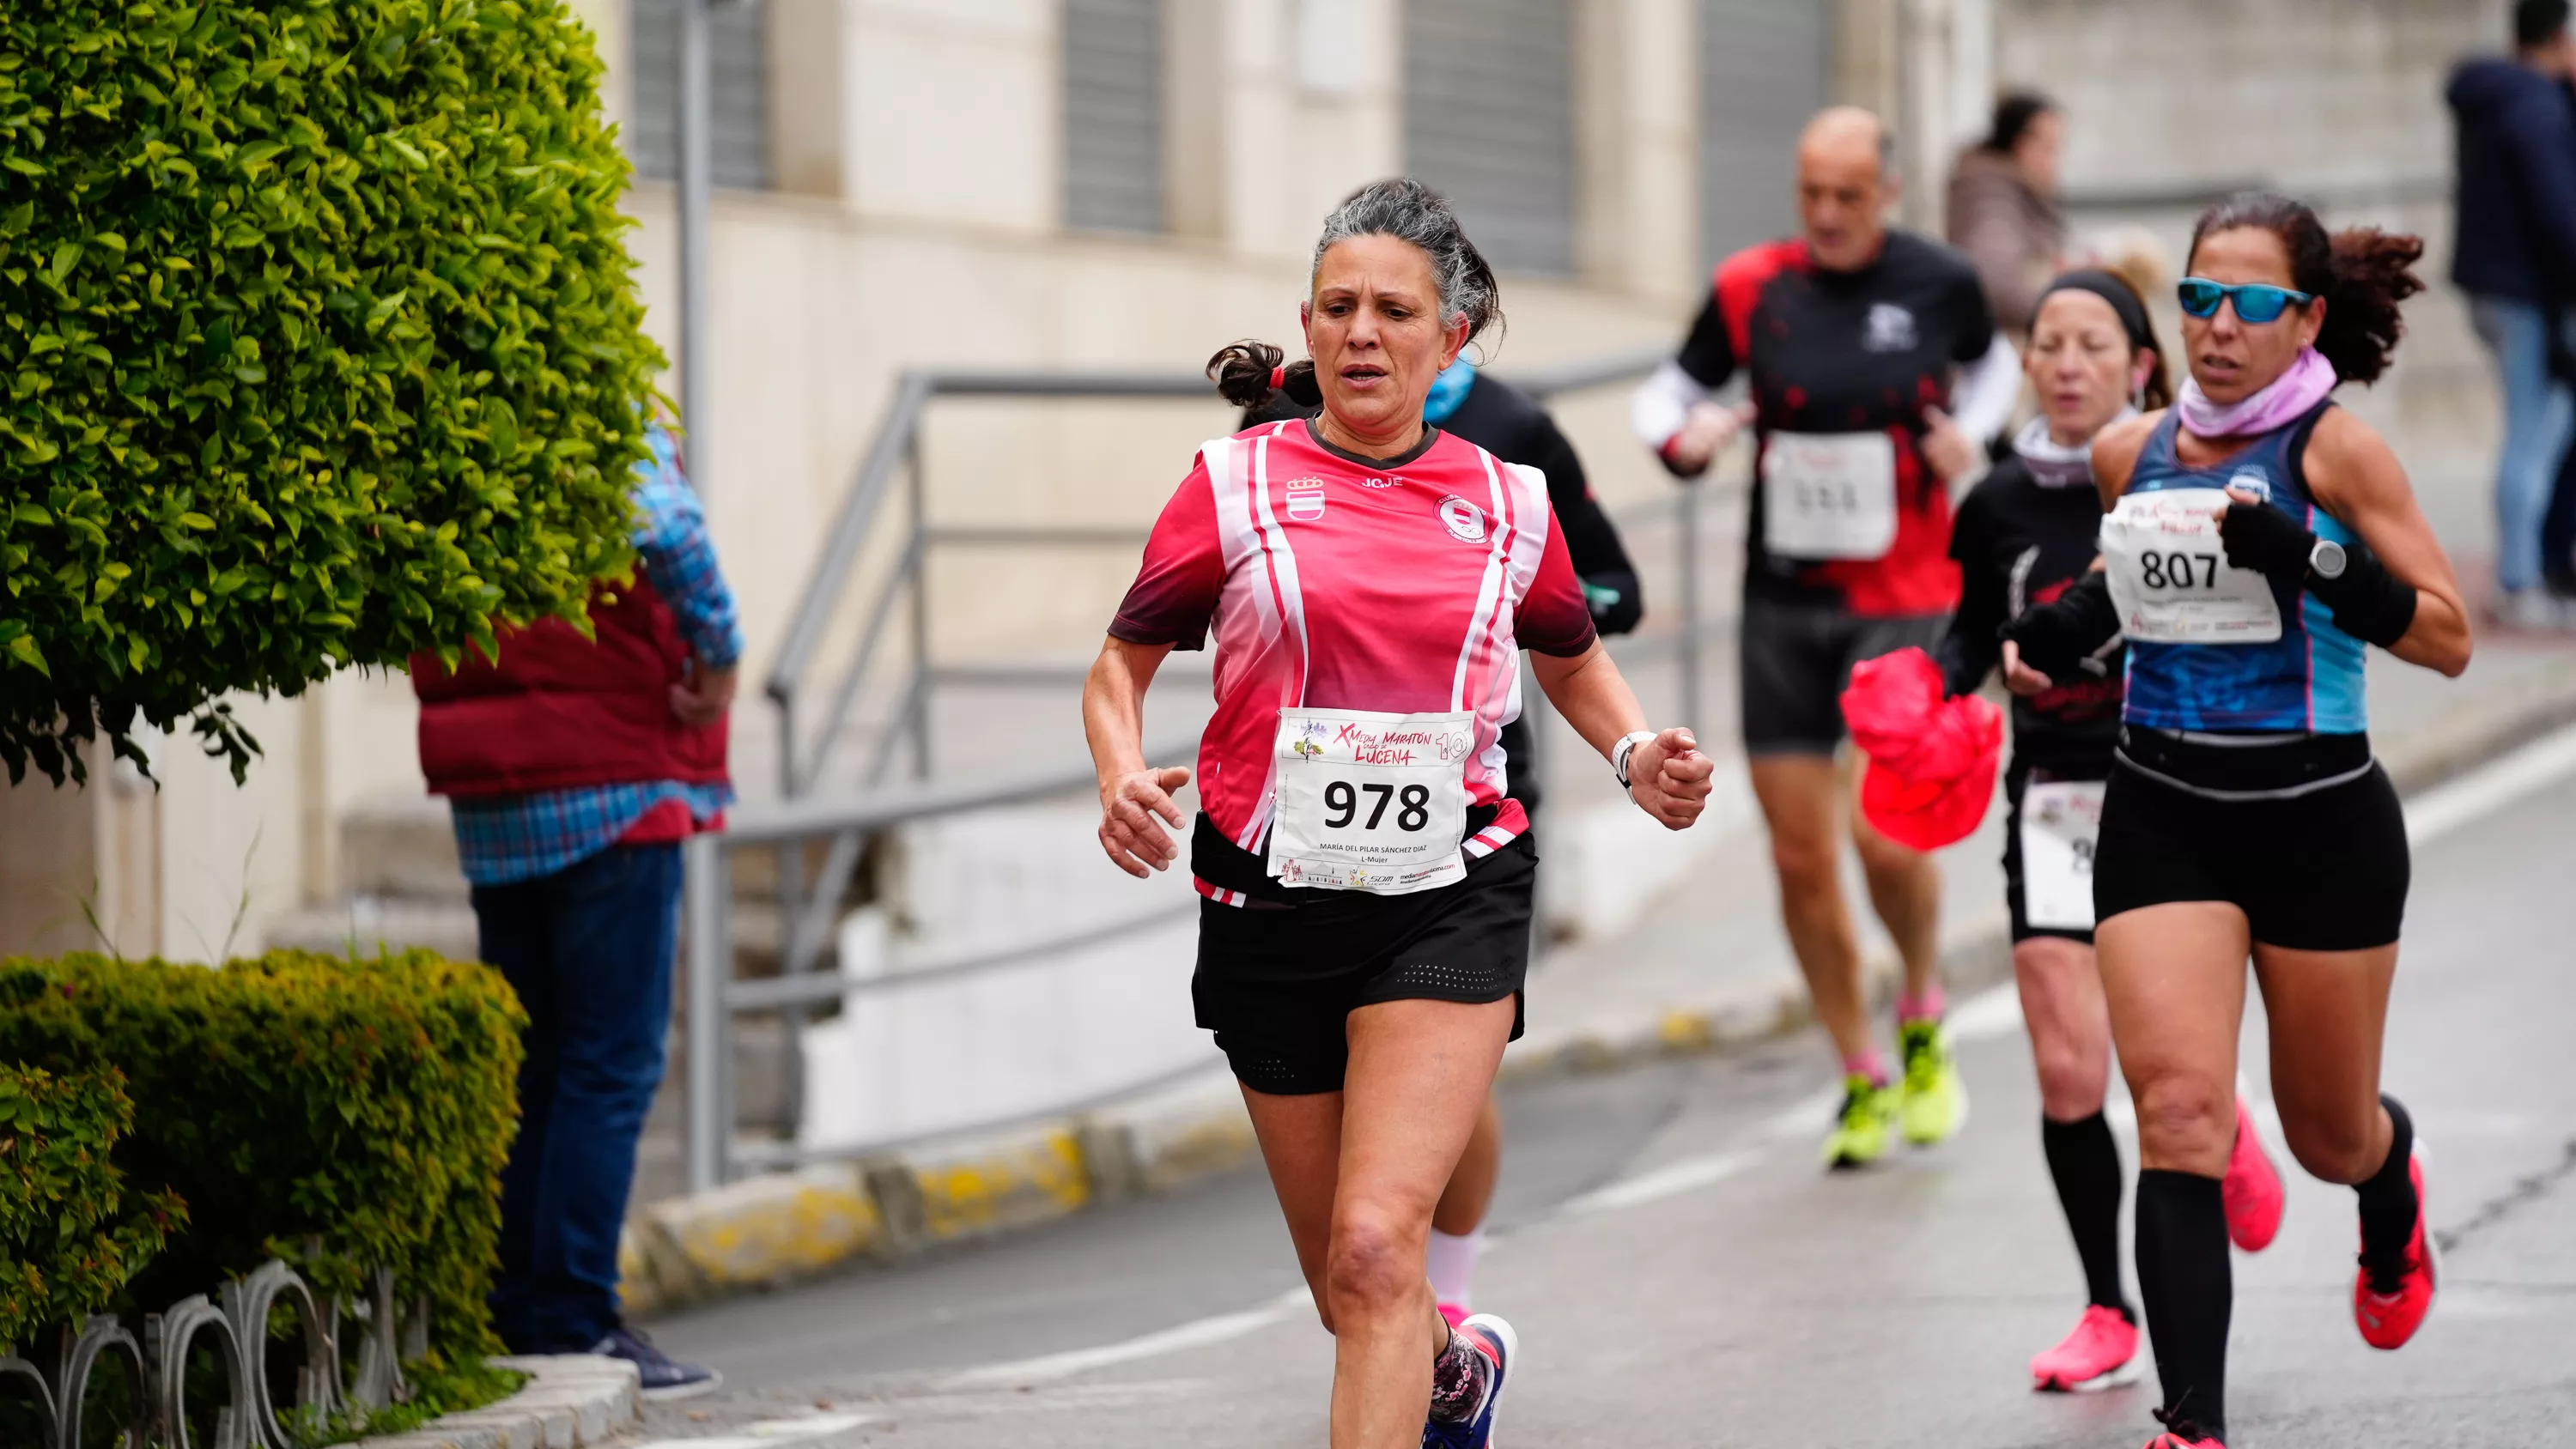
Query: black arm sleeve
point(1708, 353)
point(1973, 646)
point(1591, 543)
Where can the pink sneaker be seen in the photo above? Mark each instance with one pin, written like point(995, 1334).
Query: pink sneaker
point(2252, 1188)
point(2102, 1353)
point(1454, 1312)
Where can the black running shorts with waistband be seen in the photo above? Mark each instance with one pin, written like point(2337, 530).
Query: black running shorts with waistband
point(2315, 866)
point(1277, 983)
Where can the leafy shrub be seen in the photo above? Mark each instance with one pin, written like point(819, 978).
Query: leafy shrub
point(323, 348)
point(339, 1113)
point(71, 1233)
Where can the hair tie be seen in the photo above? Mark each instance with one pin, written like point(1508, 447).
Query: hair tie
point(1278, 377)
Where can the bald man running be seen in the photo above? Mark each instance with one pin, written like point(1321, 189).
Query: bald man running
point(1876, 377)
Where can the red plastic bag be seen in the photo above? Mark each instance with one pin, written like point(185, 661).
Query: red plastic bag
point(1932, 761)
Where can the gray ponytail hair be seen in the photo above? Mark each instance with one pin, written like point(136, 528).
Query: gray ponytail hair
point(1407, 210)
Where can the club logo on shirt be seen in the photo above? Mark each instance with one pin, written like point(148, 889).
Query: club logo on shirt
point(1465, 521)
point(2253, 481)
point(1305, 499)
point(1890, 329)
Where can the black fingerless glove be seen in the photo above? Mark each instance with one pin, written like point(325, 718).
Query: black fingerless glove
point(2368, 602)
point(2262, 538)
point(2066, 638)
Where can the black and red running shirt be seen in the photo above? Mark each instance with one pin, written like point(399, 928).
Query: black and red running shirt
point(1407, 585)
point(1840, 352)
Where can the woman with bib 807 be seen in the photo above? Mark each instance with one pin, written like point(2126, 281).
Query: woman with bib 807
point(2258, 538)
point(1365, 929)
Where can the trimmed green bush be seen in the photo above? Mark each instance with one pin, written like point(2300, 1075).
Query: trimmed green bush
point(322, 348)
point(338, 1113)
point(71, 1233)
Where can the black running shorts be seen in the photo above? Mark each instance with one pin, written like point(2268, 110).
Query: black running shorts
point(1276, 983)
point(2321, 871)
point(1796, 659)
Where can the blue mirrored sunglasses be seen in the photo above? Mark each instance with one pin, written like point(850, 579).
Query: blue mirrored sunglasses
point(2256, 302)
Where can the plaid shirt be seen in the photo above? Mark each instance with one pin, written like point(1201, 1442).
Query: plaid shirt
point(520, 837)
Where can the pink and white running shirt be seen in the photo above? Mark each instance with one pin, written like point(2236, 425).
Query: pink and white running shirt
point(1406, 585)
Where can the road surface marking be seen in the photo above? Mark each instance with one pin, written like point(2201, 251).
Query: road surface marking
point(1196, 1334)
point(2490, 787)
point(1667, 1181)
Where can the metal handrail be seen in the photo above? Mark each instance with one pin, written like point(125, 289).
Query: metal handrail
point(807, 812)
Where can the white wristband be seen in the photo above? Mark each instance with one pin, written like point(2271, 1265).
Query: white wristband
point(1620, 752)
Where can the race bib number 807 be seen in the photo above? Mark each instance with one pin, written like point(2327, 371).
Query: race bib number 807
point(2170, 578)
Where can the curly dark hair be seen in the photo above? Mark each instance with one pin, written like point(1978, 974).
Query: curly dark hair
point(2363, 273)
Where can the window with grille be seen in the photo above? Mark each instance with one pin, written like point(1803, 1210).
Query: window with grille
point(1113, 115)
point(1489, 122)
point(738, 107)
point(1764, 71)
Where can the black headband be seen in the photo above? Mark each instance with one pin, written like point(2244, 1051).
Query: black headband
point(2102, 284)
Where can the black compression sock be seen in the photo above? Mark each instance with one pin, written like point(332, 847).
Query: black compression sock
point(2388, 1205)
point(2086, 1165)
point(2185, 1278)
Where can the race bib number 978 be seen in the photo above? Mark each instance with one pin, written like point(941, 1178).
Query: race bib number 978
point(2170, 578)
point(1370, 801)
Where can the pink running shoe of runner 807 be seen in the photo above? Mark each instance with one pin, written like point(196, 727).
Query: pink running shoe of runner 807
point(2252, 1188)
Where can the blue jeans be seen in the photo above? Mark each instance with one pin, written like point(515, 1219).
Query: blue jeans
point(589, 950)
point(2537, 415)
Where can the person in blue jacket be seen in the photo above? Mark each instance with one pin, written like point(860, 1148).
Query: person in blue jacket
point(2515, 255)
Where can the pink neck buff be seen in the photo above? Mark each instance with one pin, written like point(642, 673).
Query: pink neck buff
point(2284, 398)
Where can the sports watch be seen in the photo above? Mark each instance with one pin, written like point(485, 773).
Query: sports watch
point(2326, 560)
point(1620, 752)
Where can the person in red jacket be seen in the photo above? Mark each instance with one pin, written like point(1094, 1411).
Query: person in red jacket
point(574, 768)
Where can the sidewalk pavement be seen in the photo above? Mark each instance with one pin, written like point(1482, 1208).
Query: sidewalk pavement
point(1708, 969)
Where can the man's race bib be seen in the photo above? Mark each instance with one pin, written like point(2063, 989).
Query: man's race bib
point(1829, 495)
point(2061, 821)
point(2170, 578)
point(1370, 802)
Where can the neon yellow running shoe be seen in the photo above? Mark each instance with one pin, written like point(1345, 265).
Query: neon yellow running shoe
point(1860, 1133)
point(1935, 1100)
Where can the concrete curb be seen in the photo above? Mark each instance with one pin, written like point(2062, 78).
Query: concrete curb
point(769, 1231)
point(570, 1400)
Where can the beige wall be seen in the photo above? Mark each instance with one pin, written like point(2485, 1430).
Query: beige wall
point(917, 223)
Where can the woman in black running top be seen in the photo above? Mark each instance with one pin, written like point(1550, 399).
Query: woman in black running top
point(2259, 539)
point(2023, 537)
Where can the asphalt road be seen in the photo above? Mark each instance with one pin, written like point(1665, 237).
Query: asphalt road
point(1682, 1274)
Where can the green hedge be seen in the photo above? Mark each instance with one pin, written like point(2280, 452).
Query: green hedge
point(339, 1113)
point(322, 348)
point(71, 1232)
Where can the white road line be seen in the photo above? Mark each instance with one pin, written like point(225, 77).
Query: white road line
point(2490, 787)
point(1668, 1181)
point(1993, 1012)
point(1196, 1334)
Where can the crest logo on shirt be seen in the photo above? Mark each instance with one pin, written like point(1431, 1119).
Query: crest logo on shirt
point(1890, 329)
point(2253, 481)
point(1465, 521)
point(1305, 499)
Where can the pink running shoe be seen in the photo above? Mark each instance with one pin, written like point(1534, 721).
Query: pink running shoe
point(2389, 1301)
point(1454, 1312)
point(2252, 1188)
point(2102, 1353)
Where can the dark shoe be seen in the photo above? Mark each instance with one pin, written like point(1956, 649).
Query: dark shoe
point(663, 1377)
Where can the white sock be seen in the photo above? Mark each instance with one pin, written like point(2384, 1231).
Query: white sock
point(1453, 1265)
